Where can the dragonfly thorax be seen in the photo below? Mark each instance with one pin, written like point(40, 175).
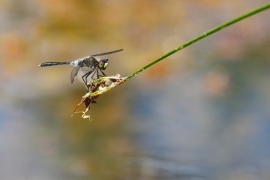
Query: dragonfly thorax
point(90, 62)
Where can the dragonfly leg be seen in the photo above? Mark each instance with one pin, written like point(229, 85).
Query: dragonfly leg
point(99, 75)
point(92, 77)
point(85, 76)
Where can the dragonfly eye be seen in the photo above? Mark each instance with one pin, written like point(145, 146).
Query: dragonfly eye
point(103, 64)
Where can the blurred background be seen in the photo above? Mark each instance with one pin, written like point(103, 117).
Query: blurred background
point(202, 113)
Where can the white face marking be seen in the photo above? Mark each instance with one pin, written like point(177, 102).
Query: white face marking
point(105, 65)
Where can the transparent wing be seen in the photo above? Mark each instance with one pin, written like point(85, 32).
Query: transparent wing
point(74, 73)
point(101, 54)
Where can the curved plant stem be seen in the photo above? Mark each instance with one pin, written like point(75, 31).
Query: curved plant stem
point(203, 35)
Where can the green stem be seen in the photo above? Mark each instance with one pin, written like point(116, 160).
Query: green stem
point(203, 35)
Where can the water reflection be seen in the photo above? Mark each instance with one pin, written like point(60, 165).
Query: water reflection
point(200, 115)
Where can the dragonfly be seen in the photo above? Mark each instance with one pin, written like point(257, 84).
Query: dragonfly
point(88, 65)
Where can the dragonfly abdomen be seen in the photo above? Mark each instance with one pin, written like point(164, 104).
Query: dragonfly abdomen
point(53, 64)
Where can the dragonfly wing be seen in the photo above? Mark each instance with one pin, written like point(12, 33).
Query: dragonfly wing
point(74, 73)
point(101, 54)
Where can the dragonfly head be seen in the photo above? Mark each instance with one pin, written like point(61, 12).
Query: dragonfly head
point(103, 64)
